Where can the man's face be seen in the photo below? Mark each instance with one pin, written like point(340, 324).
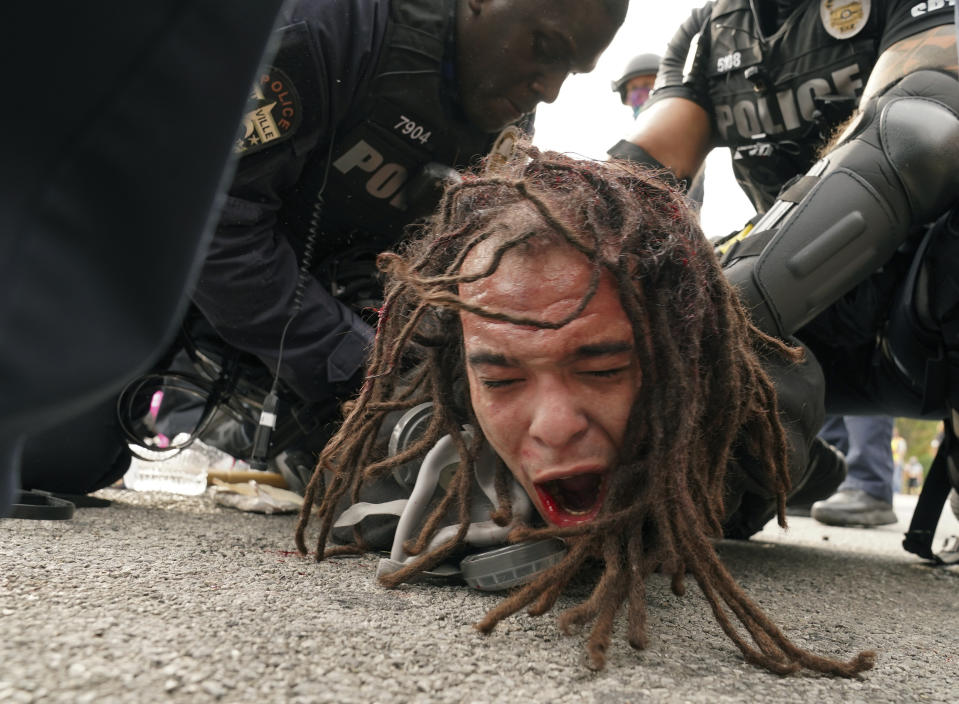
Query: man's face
point(513, 54)
point(554, 404)
point(636, 91)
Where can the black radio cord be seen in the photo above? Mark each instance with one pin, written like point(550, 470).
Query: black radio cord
point(267, 422)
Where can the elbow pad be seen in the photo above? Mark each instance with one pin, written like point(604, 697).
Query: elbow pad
point(895, 168)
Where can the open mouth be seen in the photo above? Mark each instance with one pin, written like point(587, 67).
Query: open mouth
point(572, 500)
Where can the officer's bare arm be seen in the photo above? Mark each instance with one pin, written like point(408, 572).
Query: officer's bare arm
point(677, 133)
point(935, 48)
point(674, 133)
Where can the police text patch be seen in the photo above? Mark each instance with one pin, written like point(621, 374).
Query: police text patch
point(273, 113)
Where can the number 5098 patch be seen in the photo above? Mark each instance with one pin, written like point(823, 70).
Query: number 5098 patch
point(412, 130)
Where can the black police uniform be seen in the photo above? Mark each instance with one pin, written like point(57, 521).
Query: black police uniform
point(776, 92)
point(325, 185)
point(847, 259)
point(363, 163)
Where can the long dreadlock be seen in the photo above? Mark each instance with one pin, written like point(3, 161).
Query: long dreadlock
point(700, 359)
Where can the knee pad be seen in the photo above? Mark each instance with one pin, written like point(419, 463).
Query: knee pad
point(894, 168)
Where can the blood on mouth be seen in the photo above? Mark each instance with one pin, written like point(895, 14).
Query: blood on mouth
point(571, 497)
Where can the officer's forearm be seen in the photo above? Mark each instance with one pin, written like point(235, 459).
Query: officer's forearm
point(672, 134)
point(247, 290)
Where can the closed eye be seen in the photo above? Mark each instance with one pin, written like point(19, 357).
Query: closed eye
point(498, 383)
point(549, 51)
point(605, 373)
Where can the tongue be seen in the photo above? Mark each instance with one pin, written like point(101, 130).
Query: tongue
point(578, 493)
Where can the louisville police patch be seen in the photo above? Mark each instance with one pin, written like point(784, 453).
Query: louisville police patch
point(844, 18)
point(273, 113)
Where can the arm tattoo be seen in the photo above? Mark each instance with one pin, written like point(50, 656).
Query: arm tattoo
point(935, 48)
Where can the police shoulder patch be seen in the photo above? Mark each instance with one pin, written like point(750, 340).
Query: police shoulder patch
point(843, 19)
point(274, 111)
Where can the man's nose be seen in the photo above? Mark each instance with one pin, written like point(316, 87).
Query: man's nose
point(546, 85)
point(557, 418)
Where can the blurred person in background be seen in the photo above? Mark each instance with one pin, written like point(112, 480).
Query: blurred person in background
point(865, 496)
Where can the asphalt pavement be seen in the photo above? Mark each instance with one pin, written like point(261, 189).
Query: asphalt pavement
point(160, 598)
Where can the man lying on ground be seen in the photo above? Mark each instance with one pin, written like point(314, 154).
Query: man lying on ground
point(576, 337)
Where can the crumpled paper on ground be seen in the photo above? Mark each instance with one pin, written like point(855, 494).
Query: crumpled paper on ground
point(255, 497)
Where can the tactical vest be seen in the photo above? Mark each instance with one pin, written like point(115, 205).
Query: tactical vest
point(376, 182)
point(776, 99)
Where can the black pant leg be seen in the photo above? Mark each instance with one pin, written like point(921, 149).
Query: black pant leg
point(77, 456)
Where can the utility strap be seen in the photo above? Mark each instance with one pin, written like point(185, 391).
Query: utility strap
point(925, 518)
point(39, 505)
